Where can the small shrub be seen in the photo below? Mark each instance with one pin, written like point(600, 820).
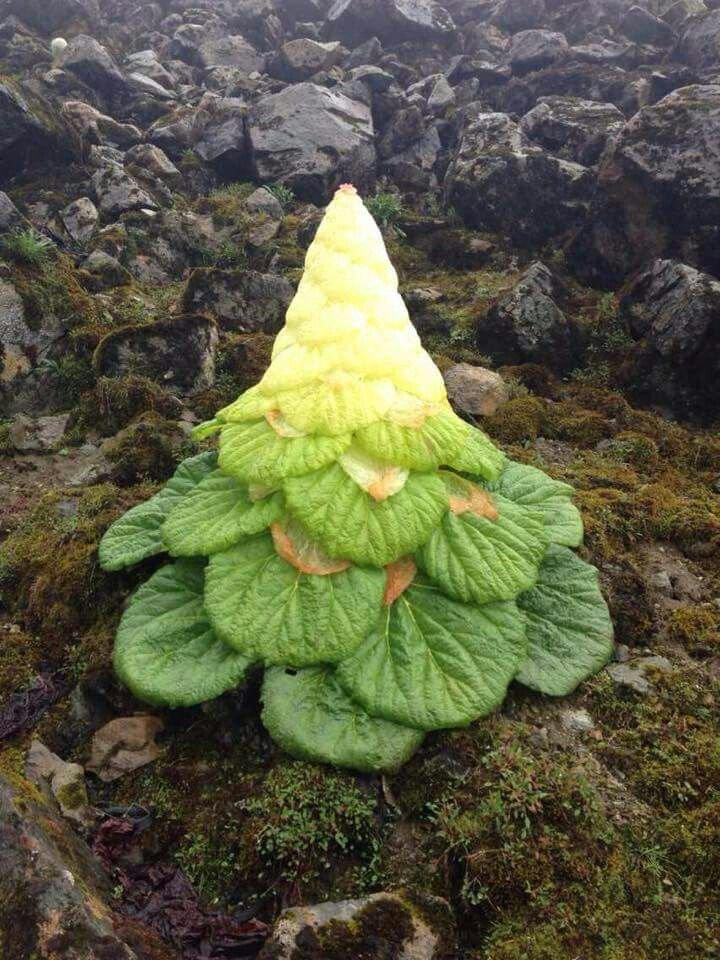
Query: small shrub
point(386, 208)
point(26, 246)
point(284, 195)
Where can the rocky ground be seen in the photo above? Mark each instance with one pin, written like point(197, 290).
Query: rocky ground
point(547, 174)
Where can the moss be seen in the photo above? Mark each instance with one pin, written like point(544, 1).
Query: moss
point(72, 796)
point(381, 928)
point(517, 421)
point(114, 402)
point(240, 362)
point(20, 659)
point(148, 449)
point(53, 290)
point(6, 446)
point(696, 627)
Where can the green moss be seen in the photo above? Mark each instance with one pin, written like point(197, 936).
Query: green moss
point(114, 402)
point(516, 421)
point(696, 627)
point(380, 929)
point(148, 449)
point(52, 289)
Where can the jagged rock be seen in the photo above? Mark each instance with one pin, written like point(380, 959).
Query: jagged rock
point(414, 168)
point(240, 299)
point(154, 161)
point(219, 133)
point(634, 674)
point(575, 129)
point(91, 63)
point(497, 181)
point(17, 122)
point(37, 434)
point(660, 191)
point(117, 192)
point(392, 21)
point(643, 27)
point(10, 216)
point(300, 59)
point(675, 311)
point(533, 49)
point(475, 391)
point(179, 352)
point(263, 201)
point(141, 84)
point(146, 62)
point(380, 926)
point(677, 14)
point(21, 340)
point(123, 745)
point(49, 15)
point(700, 40)
point(527, 326)
point(311, 139)
point(94, 127)
point(441, 97)
point(604, 82)
point(80, 219)
point(233, 51)
point(64, 781)
point(516, 15)
point(101, 271)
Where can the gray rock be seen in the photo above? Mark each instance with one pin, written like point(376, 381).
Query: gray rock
point(312, 138)
point(240, 299)
point(527, 326)
point(179, 353)
point(101, 271)
point(94, 127)
point(300, 59)
point(146, 62)
point(10, 216)
point(375, 78)
point(18, 123)
point(154, 161)
point(65, 782)
point(50, 15)
point(303, 926)
point(516, 15)
point(37, 434)
point(80, 219)
point(123, 745)
point(576, 721)
point(572, 128)
point(699, 41)
point(678, 13)
point(643, 27)
point(146, 85)
point(475, 391)
point(117, 192)
point(413, 168)
point(219, 133)
point(441, 97)
point(91, 63)
point(232, 51)
point(18, 339)
point(263, 201)
point(633, 673)
point(534, 49)
point(394, 21)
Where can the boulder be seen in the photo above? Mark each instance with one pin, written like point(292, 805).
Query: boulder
point(179, 353)
point(241, 300)
point(263, 201)
point(101, 271)
point(534, 49)
point(37, 434)
point(392, 21)
point(117, 192)
point(641, 26)
point(475, 391)
point(300, 59)
point(64, 782)
point(50, 15)
point(311, 139)
point(660, 190)
point(233, 51)
point(674, 311)
point(572, 128)
point(94, 127)
point(91, 63)
point(218, 133)
point(699, 41)
point(442, 96)
point(80, 219)
point(18, 124)
point(377, 927)
point(22, 342)
point(10, 216)
point(153, 161)
point(516, 15)
point(497, 181)
point(146, 62)
point(526, 325)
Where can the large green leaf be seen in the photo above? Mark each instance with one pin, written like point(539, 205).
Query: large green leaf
point(269, 611)
point(570, 633)
point(216, 515)
point(311, 717)
point(478, 455)
point(533, 488)
point(349, 523)
point(253, 452)
point(137, 534)
point(166, 651)
point(433, 662)
point(417, 448)
point(479, 560)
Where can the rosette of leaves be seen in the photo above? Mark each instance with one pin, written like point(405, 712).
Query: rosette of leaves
point(383, 561)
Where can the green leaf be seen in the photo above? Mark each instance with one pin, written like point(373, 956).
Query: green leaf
point(433, 662)
point(215, 516)
point(308, 715)
point(479, 456)
point(570, 633)
point(349, 523)
point(533, 488)
point(137, 534)
point(253, 452)
point(206, 429)
point(436, 442)
point(478, 560)
point(269, 611)
point(166, 651)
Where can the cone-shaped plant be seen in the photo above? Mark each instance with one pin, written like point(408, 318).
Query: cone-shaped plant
point(386, 564)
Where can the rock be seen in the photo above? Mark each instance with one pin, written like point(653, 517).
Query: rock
point(660, 191)
point(117, 192)
point(380, 926)
point(123, 745)
point(219, 134)
point(64, 781)
point(533, 49)
point(18, 125)
point(101, 271)
point(37, 434)
point(53, 892)
point(153, 161)
point(179, 352)
point(475, 391)
point(232, 51)
point(527, 326)
point(80, 219)
point(641, 26)
point(413, 168)
point(392, 21)
point(10, 216)
point(146, 62)
point(49, 15)
point(576, 721)
point(94, 127)
point(572, 128)
point(633, 673)
point(498, 181)
point(441, 97)
point(300, 59)
point(91, 63)
point(21, 343)
point(240, 299)
point(146, 85)
point(674, 310)
point(311, 139)
point(699, 41)
point(516, 15)
point(263, 201)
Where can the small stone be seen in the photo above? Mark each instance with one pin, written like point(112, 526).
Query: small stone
point(476, 391)
point(633, 673)
point(80, 219)
point(64, 781)
point(37, 435)
point(577, 721)
point(263, 201)
point(124, 745)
